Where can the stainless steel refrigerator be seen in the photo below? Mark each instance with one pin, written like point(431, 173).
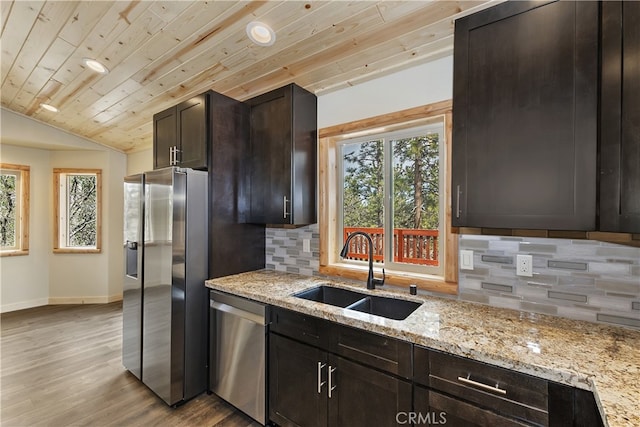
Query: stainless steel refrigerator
point(165, 300)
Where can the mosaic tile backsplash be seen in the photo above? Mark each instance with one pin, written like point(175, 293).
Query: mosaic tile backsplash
point(284, 250)
point(578, 279)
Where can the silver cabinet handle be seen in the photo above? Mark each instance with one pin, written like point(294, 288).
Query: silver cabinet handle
point(173, 155)
point(284, 207)
point(320, 382)
point(331, 387)
point(458, 201)
point(493, 389)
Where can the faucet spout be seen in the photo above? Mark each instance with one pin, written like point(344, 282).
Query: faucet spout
point(371, 281)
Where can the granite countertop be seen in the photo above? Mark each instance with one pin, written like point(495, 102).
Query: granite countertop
point(603, 359)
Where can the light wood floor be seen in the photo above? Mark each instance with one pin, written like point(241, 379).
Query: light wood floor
point(61, 366)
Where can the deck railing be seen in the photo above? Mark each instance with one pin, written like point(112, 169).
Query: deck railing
point(411, 246)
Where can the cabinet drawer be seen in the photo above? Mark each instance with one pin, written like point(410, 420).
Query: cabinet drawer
point(304, 328)
point(381, 352)
point(433, 408)
point(508, 392)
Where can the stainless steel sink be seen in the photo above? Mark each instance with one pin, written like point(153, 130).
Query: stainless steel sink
point(391, 308)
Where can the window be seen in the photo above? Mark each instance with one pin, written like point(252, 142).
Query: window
point(14, 209)
point(389, 188)
point(77, 197)
point(387, 176)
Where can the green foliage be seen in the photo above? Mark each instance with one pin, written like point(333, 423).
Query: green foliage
point(415, 183)
point(364, 186)
point(8, 212)
point(82, 199)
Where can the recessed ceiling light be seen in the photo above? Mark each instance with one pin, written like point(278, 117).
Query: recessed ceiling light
point(49, 108)
point(261, 34)
point(95, 65)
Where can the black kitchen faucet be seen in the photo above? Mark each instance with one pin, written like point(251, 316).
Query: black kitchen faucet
point(371, 281)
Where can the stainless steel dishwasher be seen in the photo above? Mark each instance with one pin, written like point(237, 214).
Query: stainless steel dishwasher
point(237, 352)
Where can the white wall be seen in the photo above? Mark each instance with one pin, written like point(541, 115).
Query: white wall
point(24, 280)
point(90, 278)
point(113, 222)
point(43, 277)
point(140, 161)
point(420, 85)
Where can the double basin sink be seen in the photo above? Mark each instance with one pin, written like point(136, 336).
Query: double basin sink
point(391, 308)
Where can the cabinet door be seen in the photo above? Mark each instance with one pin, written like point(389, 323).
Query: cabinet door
point(192, 132)
point(297, 383)
point(525, 116)
point(434, 409)
point(620, 118)
point(362, 396)
point(271, 157)
point(164, 137)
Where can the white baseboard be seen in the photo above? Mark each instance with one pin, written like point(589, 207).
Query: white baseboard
point(6, 308)
point(85, 300)
point(114, 298)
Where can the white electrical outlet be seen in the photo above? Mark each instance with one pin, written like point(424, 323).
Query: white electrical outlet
point(524, 265)
point(306, 245)
point(466, 260)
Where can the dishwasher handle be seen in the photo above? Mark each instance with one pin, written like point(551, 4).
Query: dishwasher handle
point(235, 311)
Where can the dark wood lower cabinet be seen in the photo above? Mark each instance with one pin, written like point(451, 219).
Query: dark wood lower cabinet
point(569, 406)
point(293, 383)
point(310, 387)
point(433, 409)
point(366, 397)
point(325, 374)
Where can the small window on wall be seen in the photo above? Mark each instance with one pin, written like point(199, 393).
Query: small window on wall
point(14, 209)
point(78, 200)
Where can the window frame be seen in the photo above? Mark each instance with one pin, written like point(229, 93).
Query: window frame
point(22, 248)
point(57, 247)
point(330, 263)
point(387, 138)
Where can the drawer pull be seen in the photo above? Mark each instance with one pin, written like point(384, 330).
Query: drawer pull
point(331, 386)
point(492, 389)
point(320, 382)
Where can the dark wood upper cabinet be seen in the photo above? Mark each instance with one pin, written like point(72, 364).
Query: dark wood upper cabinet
point(164, 137)
point(620, 118)
point(283, 156)
point(228, 130)
point(525, 116)
point(180, 135)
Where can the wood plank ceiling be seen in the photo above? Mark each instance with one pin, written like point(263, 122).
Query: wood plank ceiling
point(162, 52)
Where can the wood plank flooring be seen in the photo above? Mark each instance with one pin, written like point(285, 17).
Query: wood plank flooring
point(61, 365)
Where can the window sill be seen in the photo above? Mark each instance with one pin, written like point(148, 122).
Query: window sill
point(398, 278)
point(17, 252)
point(76, 251)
